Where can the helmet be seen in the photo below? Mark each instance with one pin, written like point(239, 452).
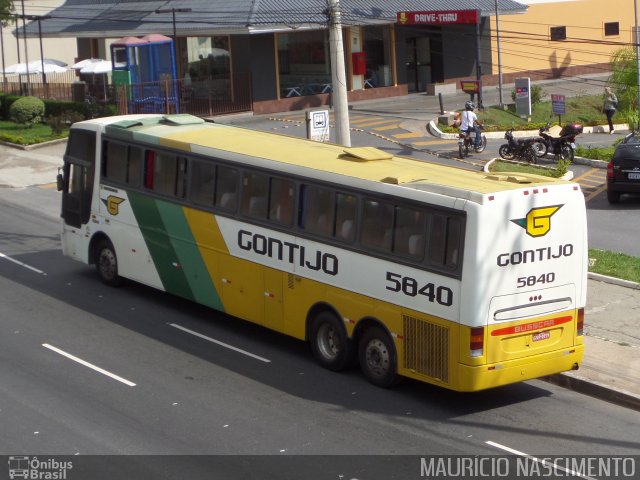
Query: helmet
point(469, 105)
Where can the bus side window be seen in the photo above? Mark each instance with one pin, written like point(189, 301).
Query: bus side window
point(202, 183)
point(409, 232)
point(149, 168)
point(346, 216)
point(255, 195)
point(317, 210)
point(281, 199)
point(445, 239)
point(377, 225)
point(134, 171)
point(226, 196)
point(116, 162)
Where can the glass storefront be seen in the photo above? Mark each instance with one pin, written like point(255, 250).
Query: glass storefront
point(377, 49)
point(207, 57)
point(304, 63)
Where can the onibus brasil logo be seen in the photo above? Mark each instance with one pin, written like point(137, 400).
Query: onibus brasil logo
point(22, 466)
point(537, 223)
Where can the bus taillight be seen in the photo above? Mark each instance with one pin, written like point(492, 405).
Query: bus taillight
point(476, 341)
point(580, 326)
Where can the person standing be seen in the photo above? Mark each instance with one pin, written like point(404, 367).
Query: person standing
point(609, 106)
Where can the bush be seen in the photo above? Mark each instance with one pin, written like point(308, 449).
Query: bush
point(59, 122)
point(27, 111)
point(537, 94)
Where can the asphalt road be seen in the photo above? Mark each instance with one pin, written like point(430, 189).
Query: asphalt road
point(87, 369)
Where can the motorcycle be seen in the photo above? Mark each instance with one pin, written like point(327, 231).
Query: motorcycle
point(559, 140)
point(466, 142)
point(521, 149)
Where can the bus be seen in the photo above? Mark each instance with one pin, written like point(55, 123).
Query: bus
point(462, 279)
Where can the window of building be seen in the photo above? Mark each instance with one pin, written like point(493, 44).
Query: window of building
point(558, 33)
point(377, 49)
point(207, 57)
point(611, 29)
point(304, 63)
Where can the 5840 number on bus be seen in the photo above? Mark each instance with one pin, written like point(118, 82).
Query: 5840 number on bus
point(410, 287)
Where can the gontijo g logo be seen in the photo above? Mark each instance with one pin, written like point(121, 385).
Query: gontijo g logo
point(113, 204)
point(537, 223)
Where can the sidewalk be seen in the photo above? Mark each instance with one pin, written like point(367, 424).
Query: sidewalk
point(611, 367)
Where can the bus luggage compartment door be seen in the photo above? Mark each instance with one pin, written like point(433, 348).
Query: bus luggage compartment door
point(529, 323)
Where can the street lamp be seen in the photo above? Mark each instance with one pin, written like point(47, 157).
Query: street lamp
point(175, 35)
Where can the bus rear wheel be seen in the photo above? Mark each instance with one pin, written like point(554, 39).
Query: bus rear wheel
point(107, 263)
point(330, 346)
point(378, 359)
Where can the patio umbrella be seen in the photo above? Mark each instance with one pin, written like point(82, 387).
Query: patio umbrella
point(97, 67)
point(34, 67)
point(86, 62)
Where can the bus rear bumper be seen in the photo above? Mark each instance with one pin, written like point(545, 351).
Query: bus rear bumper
point(504, 373)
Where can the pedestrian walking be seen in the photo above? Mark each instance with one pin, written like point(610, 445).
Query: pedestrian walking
point(609, 106)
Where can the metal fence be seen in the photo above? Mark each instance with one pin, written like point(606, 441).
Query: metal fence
point(216, 95)
point(212, 96)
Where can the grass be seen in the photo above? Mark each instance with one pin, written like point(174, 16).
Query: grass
point(14, 133)
point(586, 110)
point(516, 167)
point(613, 264)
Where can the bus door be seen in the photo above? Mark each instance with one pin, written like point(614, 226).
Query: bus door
point(76, 181)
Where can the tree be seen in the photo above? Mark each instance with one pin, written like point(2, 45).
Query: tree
point(624, 82)
point(6, 11)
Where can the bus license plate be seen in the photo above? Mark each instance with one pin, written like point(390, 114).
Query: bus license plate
point(634, 176)
point(541, 336)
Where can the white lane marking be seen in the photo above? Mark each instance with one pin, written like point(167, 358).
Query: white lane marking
point(17, 262)
point(90, 365)
point(222, 344)
point(540, 460)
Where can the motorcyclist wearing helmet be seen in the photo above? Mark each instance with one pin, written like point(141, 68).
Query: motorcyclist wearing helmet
point(470, 122)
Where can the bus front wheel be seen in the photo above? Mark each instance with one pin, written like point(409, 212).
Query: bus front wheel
point(107, 263)
point(330, 345)
point(378, 358)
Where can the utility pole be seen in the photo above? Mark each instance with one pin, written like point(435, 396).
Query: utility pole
point(499, 57)
point(26, 54)
point(637, 42)
point(175, 30)
point(338, 75)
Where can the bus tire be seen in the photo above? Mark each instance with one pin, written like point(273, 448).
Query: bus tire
point(378, 360)
point(331, 347)
point(107, 263)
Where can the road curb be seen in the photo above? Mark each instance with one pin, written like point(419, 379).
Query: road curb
point(615, 281)
point(575, 382)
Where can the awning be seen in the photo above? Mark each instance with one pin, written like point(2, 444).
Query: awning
point(104, 19)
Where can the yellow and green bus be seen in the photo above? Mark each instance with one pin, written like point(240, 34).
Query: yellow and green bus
point(461, 279)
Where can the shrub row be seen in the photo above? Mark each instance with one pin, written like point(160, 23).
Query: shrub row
point(55, 108)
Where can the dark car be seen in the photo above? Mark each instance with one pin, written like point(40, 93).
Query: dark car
point(623, 171)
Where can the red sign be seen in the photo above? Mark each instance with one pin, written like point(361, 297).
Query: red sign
point(438, 17)
point(470, 86)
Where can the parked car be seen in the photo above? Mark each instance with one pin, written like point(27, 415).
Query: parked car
point(623, 171)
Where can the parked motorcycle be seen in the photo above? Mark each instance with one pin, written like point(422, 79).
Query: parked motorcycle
point(466, 142)
point(521, 149)
point(560, 141)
